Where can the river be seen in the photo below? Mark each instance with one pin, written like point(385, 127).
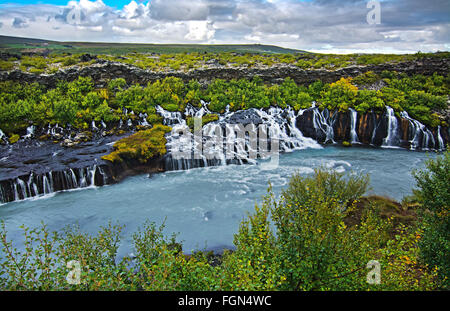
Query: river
point(205, 205)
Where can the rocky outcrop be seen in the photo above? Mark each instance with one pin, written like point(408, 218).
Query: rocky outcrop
point(371, 129)
point(103, 71)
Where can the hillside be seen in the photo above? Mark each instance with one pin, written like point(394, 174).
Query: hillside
point(17, 44)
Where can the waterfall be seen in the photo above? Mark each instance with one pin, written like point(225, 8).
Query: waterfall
point(2, 135)
point(422, 137)
point(291, 138)
point(23, 188)
point(92, 175)
point(391, 140)
point(32, 185)
point(39, 185)
point(353, 118)
point(53, 130)
point(170, 118)
point(47, 187)
point(440, 140)
point(240, 149)
point(143, 119)
point(94, 127)
point(322, 122)
point(30, 132)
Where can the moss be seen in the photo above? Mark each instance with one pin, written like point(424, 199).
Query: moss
point(207, 118)
point(346, 144)
point(14, 138)
point(154, 118)
point(141, 146)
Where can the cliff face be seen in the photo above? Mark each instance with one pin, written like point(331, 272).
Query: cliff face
point(371, 129)
point(104, 71)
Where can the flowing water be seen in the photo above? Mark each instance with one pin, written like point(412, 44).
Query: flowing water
point(205, 205)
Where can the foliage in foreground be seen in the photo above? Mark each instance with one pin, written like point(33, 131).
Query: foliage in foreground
point(316, 236)
point(434, 194)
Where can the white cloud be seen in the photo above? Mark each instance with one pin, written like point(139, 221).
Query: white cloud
point(312, 25)
point(200, 31)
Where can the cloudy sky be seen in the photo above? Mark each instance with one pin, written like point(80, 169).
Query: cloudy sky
point(338, 26)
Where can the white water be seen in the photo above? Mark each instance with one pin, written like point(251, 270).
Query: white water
point(83, 178)
point(353, 135)
point(322, 121)
point(391, 140)
point(440, 140)
point(421, 134)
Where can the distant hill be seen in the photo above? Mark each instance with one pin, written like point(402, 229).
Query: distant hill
point(17, 44)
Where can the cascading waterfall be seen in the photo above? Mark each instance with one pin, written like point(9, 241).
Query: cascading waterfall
point(47, 188)
point(353, 118)
point(2, 136)
point(323, 122)
point(280, 123)
point(440, 140)
point(391, 140)
point(39, 185)
point(291, 138)
point(422, 137)
point(30, 132)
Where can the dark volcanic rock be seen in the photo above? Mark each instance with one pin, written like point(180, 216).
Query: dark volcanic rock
point(245, 117)
point(103, 71)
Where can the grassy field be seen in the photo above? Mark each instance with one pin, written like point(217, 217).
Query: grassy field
point(17, 45)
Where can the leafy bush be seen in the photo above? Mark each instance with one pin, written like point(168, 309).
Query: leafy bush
point(434, 195)
point(308, 239)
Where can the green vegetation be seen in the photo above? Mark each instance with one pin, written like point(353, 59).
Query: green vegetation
point(207, 118)
point(183, 57)
point(318, 235)
point(434, 195)
point(78, 103)
point(141, 146)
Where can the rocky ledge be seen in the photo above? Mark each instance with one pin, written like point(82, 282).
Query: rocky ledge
point(102, 71)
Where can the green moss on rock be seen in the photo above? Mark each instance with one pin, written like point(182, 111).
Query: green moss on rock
point(14, 138)
point(207, 118)
point(141, 146)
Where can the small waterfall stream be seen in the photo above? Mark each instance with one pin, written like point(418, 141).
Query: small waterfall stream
point(37, 185)
point(422, 137)
point(391, 140)
point(353, 135)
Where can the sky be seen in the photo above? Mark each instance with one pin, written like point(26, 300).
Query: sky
point(331, 26)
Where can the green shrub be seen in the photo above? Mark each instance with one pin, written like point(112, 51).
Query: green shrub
point(434, 195)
